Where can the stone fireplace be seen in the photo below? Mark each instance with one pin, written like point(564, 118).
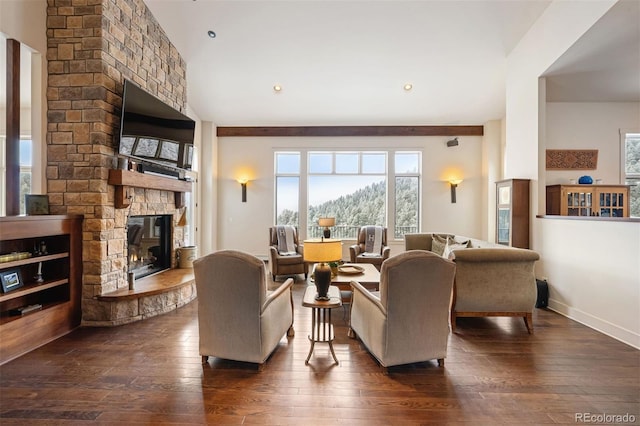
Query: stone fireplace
point(92, 46)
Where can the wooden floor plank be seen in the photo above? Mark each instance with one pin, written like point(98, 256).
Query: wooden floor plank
point(149, 372)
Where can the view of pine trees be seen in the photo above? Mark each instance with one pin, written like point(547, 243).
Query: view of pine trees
point(632, 166)
point(366, 206)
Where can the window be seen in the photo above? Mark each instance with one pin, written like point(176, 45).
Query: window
point(352, 186)
point(25, 171)
point(631, 170)
point(407, 171)
point(287, 187)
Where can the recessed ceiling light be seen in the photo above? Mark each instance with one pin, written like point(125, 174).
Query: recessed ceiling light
point(211, 33)
point(277, 88)
point(408, 86)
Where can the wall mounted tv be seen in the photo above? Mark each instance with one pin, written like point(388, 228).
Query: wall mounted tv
point(152, 131)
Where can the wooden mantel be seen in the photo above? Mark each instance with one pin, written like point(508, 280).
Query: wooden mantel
point(124, 179)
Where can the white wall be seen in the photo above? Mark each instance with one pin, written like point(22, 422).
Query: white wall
point(592, 265)
point(590, 125)
point(594, 273)
point(243, 226)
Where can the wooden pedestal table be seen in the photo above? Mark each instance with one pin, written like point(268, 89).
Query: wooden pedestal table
point(321, 325)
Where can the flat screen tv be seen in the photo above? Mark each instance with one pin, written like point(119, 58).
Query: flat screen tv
point(152, 131)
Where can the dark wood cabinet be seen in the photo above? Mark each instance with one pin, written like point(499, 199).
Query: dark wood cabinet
point(512, 212)
point(42, 257)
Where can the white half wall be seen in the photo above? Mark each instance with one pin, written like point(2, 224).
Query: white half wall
point(593, 267)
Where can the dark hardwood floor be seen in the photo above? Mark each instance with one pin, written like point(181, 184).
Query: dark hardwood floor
point(149, 373)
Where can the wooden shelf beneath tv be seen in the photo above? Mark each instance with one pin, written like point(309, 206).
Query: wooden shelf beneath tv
point(123, 179)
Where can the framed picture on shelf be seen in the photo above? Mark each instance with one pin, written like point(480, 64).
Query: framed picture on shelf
point(36, 204)
point(10, 279)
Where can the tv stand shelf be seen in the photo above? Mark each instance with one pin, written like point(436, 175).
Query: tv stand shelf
point(124, 179)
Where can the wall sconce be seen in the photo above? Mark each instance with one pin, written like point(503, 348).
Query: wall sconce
point(243, 184)
point(454, 184)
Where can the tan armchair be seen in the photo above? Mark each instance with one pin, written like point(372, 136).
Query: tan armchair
point(286, 265)
point(408, 321)
point(238, 318)
point(357, 252)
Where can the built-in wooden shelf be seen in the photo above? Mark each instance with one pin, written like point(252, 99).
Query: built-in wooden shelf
point(124, 179)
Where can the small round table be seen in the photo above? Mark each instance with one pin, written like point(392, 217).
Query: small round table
point(321, 325)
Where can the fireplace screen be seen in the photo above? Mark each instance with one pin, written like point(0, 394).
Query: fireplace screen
point(148, 244)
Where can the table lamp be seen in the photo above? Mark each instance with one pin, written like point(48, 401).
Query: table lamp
point(326, 222)
point(322, 251)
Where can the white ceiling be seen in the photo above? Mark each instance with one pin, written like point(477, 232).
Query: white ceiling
point(345, 62)
point(604, 65)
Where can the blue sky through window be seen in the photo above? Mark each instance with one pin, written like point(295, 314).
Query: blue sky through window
point(25, 152)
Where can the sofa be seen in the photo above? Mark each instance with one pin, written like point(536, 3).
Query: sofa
point(491, 279)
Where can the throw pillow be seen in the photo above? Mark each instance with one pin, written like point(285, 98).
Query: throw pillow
point(438, 243)
point(450, 247)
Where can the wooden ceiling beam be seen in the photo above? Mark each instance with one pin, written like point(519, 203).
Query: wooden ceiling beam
point(351, 131)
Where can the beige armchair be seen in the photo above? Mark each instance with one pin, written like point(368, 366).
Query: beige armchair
point(408, 321)
point(238, 318)
point(358, 252)
point(286, 265)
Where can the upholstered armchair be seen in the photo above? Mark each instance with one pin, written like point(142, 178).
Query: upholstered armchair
point(366, 252)
point(408, 320)
point(238, 318)
point(286, 264)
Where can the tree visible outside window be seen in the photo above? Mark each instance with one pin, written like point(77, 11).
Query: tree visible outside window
point(631, 167)
point(352, 186)
point(25, 170)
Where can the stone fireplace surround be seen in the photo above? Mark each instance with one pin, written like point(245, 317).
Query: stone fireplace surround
point(92, 46)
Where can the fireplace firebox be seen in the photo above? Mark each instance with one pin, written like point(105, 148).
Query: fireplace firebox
point(148, 244)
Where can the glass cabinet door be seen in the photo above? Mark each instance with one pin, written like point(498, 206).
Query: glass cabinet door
point(504, 225)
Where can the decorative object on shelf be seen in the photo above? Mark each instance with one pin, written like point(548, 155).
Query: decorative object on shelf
point(571, 159)
point(454, 184)
point(123, 163)
point(326, 222)
point(11, 280)
point(43, 248)
point(38, 277)
point(322, 251)
point(131, 280)
point(36, 204)
point(585, 180)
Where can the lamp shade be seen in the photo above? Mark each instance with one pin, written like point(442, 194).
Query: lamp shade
point(327, 221)
point(319, 251)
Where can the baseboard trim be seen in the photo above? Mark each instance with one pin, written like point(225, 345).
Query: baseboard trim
point(621, 334)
